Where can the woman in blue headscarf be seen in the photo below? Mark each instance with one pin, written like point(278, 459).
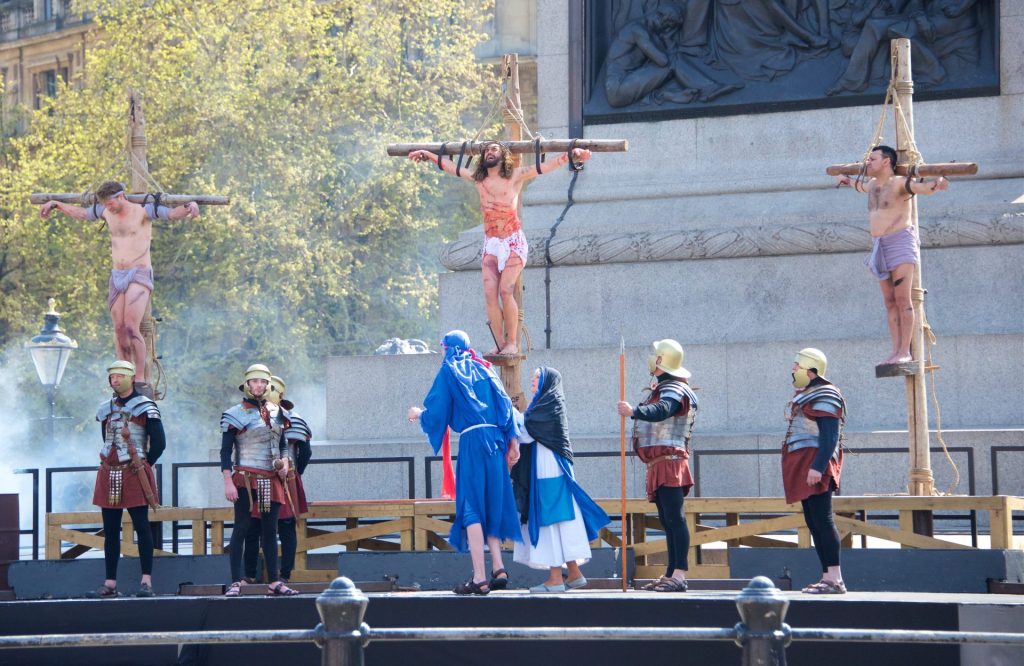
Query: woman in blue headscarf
point(468, 397)
point(559, 520)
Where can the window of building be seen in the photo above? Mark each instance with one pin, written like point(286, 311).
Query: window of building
point(45, 83)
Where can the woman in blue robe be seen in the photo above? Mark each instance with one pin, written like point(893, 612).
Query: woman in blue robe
point(469, 398)
point(559, 519)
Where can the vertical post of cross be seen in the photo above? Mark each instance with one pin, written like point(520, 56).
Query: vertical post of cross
point(762, 631)
point(922, 481)
point(138, 171)
point(342, 607)
point(511, 370)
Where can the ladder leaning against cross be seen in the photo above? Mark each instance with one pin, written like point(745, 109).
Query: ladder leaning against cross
point(141, 180)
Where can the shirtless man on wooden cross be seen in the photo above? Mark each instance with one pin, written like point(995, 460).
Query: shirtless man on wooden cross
point(895, 248)
point(499, 185)
point(131, 277)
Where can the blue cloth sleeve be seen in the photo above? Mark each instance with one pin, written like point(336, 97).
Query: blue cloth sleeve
point(161, 212)
point(828, 438)
point(437, 410)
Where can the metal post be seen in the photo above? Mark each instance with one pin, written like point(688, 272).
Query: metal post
point(51, 396)
point(762, 632)
point(341, 607)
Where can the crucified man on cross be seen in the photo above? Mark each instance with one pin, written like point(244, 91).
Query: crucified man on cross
point(895, 248)
point(131, 275)
point(499, 185)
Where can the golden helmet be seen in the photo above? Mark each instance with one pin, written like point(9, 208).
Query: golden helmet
point(254, 371)
point(124, 369)
point(806, 359)
point(667, 356)
point(275, 392)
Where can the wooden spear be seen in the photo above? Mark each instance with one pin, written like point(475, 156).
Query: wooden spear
point(622, 454)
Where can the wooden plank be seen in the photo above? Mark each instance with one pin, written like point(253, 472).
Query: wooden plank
point(87, 198)
point(896, 536)
point(301, 537)
point(907, 369)
point(923, 170)
point(438, 542)
point(364, 532)
point(93, 541)
point(199, 537)
point(217, 537)
point(516, 147)
point(1001, 529)
point(433, 525)
point(753, 528)
point(906, 523)
point(609, 538)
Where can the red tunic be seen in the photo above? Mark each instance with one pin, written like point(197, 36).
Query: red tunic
point(132, 494)
point(276, 487)
point(796, 465)
point(668, 473)
point(298, 496)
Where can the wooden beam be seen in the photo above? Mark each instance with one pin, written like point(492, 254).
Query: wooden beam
point(88, 198)
point(517, 147)
point(923, 170)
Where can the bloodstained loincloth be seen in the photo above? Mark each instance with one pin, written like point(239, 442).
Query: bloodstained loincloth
point(503, 248)
point(892, 250)
point(503, 235)
point(121, 279)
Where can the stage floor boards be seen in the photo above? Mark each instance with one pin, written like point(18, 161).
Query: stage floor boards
point(509, 608)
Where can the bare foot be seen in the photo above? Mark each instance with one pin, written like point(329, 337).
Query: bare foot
point(494, 352)
point(906, 358)
point(509, 350)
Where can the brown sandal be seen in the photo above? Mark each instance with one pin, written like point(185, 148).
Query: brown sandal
point(671, 585)
point(234, 589)
point(825, 587)
point(103, 592)
point(649, 587)
point(281, 590)
point(498, 582)
point(470, 587)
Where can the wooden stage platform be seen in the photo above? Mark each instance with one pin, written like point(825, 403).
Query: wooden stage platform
point(421, 525)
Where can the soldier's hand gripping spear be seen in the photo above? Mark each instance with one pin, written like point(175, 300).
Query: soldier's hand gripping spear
point(279, 466)
point(138, 468)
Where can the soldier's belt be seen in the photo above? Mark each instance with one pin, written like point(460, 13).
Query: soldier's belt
point(671, 456)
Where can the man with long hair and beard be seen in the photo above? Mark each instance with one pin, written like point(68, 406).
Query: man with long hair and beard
point(499, 184)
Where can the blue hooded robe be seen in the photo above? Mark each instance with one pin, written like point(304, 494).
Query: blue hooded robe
point(468, 397)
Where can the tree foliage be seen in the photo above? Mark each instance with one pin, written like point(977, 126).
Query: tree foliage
point(328, 246)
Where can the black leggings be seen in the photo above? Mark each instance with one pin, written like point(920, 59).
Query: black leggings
point(677, 535)
point(289, 541)
point(818, 514)
point(268, 522)
point(112, 538)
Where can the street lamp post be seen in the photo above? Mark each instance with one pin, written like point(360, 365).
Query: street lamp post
point(50, 351)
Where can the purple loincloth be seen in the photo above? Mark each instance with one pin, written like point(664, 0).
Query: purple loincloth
point(120, 279)
point(891, 250)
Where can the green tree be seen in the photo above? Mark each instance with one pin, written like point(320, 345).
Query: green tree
point(328, 246)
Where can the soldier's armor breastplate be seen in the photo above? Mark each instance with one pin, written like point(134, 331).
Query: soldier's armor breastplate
point(256, 444)
point(674, 431)
point(803, 429)
point(297, 429)
point(117, 416)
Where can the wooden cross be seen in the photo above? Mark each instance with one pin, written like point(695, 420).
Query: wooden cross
point(921, 479)
point(140, 177)
point(513, 120)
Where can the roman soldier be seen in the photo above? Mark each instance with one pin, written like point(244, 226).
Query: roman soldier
point(812, 460)
point(133, 440)
point(298, 436)
point(662, 426)
point(254, 465)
